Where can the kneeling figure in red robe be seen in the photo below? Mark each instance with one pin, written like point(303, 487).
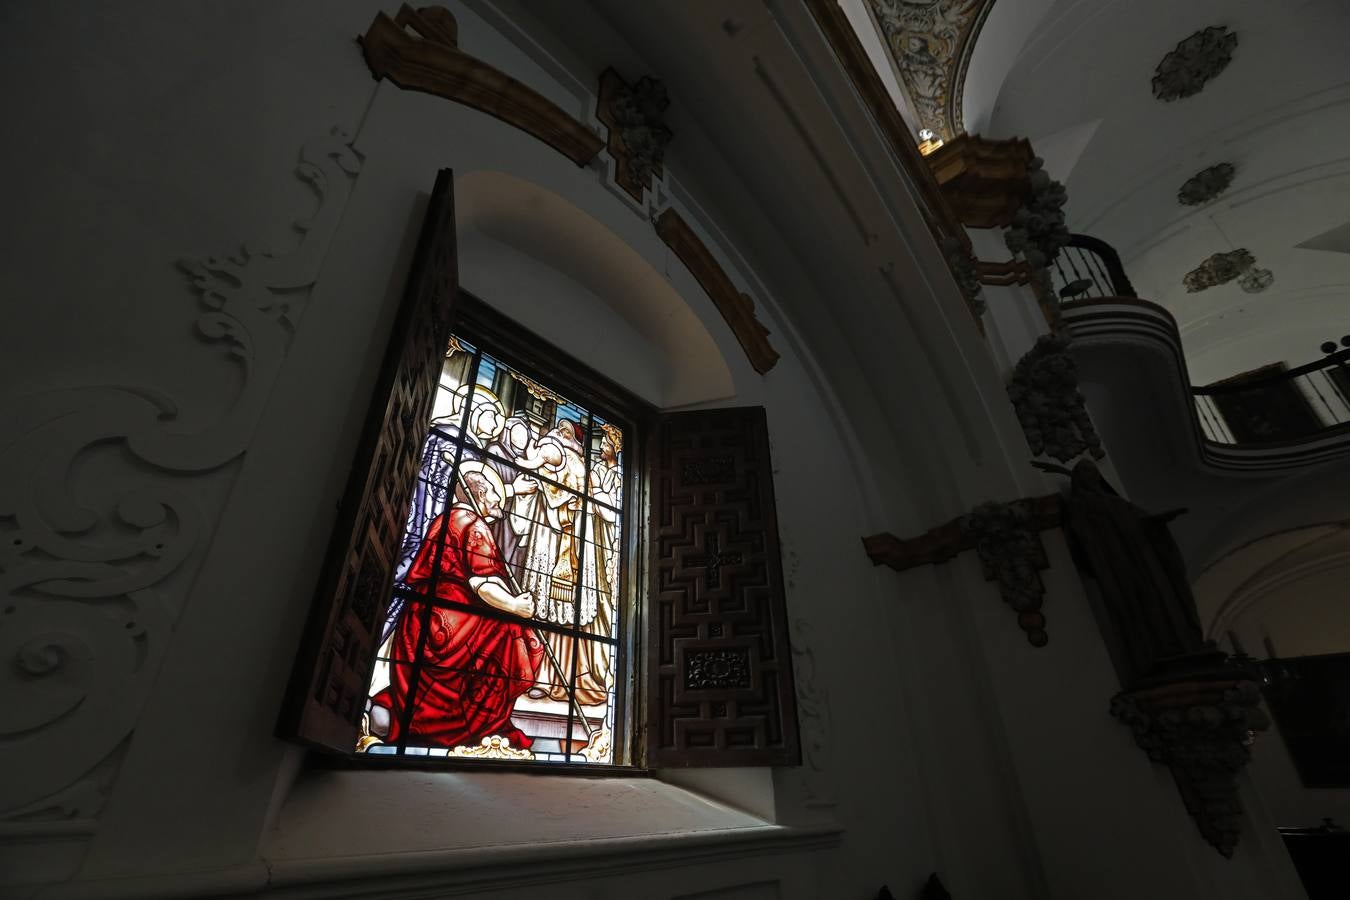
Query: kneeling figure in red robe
point(473, 667)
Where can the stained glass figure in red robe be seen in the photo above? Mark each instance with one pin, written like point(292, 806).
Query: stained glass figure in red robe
point(473, 667)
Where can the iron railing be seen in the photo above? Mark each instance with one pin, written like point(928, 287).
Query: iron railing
point(1089, 267)
point(1293, 404)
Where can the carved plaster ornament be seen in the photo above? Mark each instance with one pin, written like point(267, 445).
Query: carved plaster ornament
point(1220, 268)
point(1038, 229)
point(87, 617)
point(638, 111)
point(1189, 67)
point(1206, 184)
point(1199, 726)
point(1009, 547)
point(1255, 280)
point(1051, 409)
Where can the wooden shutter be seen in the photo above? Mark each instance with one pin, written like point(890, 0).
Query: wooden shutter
point(720, 670)
point(328, 685)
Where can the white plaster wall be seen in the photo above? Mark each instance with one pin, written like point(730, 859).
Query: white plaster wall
point(928, 710)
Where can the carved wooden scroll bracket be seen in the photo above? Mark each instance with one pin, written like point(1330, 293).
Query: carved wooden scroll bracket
point(430, 61)
point(737, 308)
point(1006, 536)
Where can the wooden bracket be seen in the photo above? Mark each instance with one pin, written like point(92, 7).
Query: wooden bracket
point(430, 61)
point(737, 308)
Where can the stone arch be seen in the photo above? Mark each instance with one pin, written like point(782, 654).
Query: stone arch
point(620, 314)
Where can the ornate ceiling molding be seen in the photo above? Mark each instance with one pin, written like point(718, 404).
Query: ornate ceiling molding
point(931, 42)
point(1193, 63)
point(1219, 268)
point(1206, 184)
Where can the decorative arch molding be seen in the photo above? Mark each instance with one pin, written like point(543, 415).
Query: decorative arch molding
point(430, 61)
point(549, 228)
point(1327, 549)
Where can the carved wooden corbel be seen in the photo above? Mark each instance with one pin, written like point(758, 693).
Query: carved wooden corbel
point(637, 135)
point(737, 308)
point(1006, 536)
point(431, 61)
point(985, 181)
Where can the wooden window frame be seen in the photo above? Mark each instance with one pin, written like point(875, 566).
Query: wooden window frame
point(704, 662)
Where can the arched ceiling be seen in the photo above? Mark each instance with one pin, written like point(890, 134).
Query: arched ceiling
point(930, 44)
point(1080, 88)
point(1287, 587)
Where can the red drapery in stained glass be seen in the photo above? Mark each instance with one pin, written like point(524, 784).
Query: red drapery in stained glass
point(502, 634)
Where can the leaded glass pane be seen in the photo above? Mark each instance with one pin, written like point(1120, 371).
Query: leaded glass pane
point(502, 636)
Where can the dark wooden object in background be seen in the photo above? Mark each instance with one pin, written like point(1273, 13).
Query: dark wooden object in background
point(1310, 699)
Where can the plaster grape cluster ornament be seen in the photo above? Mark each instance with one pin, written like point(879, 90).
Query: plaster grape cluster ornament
point(1194, 61)
point(1206, 185)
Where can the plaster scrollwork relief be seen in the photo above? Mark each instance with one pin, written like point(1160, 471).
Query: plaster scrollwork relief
point(1193, 62)
point(1206, 184)
point(1052, 411)
point(87, 565)
point(1217, 269)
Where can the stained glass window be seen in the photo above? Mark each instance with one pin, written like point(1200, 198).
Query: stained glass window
point(503, 632)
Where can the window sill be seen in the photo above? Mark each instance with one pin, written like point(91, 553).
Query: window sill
point(478, 828)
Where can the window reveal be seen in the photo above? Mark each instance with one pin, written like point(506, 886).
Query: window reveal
point(501, 633)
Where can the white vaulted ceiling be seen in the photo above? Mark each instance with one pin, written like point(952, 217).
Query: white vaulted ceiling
point(1078, 85)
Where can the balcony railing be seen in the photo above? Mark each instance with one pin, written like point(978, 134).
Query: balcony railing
point(1284, 405)
point(1089, 267)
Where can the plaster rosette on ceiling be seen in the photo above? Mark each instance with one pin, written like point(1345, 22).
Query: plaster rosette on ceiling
point(1220, 268)
point(931, 42)
point(1193, 63)
point(1255, 280)
point(1206, 184)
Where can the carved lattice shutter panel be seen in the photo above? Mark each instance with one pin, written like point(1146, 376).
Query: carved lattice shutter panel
point(328, 685)
point(720, 669)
